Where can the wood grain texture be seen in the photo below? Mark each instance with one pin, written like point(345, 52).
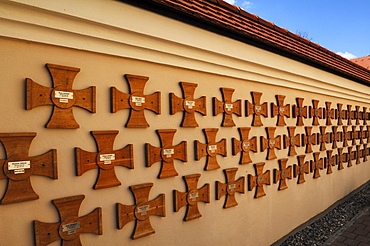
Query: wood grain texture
point(141, 211)
point(244, 145)
point(191, 197)
point(61, 96)
point(230, 187)
point(19, 188)
point(256, 108)
point(167, 153)
point(136, 101)
point(70, 226)
point(188, 104)
point(106, 159)
point(210, 149)
point(227, 107)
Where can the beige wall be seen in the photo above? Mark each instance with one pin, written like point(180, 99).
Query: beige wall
point(108, 39)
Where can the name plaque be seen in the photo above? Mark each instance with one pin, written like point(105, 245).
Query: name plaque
point(107, 158)
point(63, 96)
point(19, 165)
point(229, 106)
point(71, 228)
point(193, 196)
point(138, 100)
point(212, 148)
point(143, 210)
point(168, 152)
point(190, 104)
point(232, 186)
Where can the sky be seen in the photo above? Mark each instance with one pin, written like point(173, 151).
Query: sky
point(340, 26)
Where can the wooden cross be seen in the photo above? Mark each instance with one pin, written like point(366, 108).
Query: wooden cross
point(315, 112)
point(191, 197)
point(282, 174)
point(136, 101)
point(188, 104)
point(323, 138)
point(105, 159)
point(335, 136)
point(301, 169)
point(361, 134)
point(18, 166)
point(365, 152)
point(368, 133)
point(341, 158)
point(358, 154)
point(329, 113)
point(270, 143)
point(70, 226)
point(316, 165)
point(167, 153)
point(350, 115)
point(350, 156)
point(211, 149)
point(256, 108)
point(340, 114)
point(357, 115)
point(354, 135)
point(230, 187)
point(62, 97)
point(299, 111)
point(245, 145)
point(309, 139)
point(346, 136)
point(259, 180)
point(291, 141)
point(141, 210)
point(330, 161)
point(227, 107)
point(280, 110)
point(364, 114)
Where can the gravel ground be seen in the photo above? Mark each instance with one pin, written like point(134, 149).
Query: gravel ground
point(322, 229)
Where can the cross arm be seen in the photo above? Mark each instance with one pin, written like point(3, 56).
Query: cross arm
point(86, 98)
point(45, 233)
point(46, 164)
point(37, 95)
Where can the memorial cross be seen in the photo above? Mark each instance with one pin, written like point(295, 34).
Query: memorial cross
point(188, 104)
point(270, 143)
point(245, 145)
point(357, 115)
point(309, 139)
point(341, 158)
point(315, 112)
point(358, 154)
point(280, 110)
point(354, 135)
point(230, 187)
point(330, 161)
point(291, 141)
point(335, 136)
point(167, 153)
point(346, 136)
point(211, 149)
point(256, 108)
point(301, 169)
point(350, 115)
point(18, 166)
point(299, 111)
point(329, 113)
point(70, 226)
point(191, 197)
point(259, 180)
point(141, 210)
point(282, 174)
point(227, 107)
point(364, 115)
point(361, 134)
point(316, 165)
point(365, 152)
point(105, 159)
point(136, 101)
point(323, 138)
point(62, 97)
point(340, 114)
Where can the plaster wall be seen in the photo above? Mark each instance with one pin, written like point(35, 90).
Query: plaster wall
point(107, 39)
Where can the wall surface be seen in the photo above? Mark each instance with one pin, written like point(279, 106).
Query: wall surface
point(108, 39)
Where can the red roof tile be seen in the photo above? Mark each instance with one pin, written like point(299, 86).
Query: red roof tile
point(252, 28)
point(363, 61)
